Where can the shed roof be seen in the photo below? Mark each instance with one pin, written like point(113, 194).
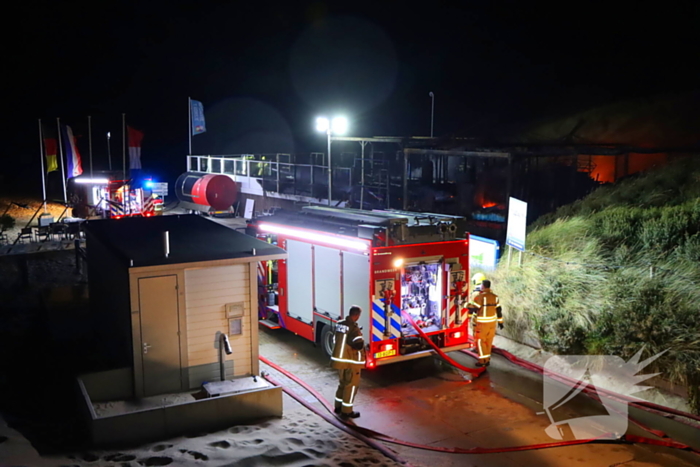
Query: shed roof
point(139, 240)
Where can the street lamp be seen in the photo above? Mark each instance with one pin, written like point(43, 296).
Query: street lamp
point(432, 111)
point(338, 126)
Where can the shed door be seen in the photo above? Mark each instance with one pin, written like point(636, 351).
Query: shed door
point(160, 334)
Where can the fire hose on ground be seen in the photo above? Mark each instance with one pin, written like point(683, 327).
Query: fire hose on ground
point(349, 429)
point(443, 355)
point(369, 436)
point(590, 390)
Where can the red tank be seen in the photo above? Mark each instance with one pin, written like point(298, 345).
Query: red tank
point(217, 191)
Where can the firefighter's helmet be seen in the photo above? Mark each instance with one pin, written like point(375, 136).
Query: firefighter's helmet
point(358, 343)
point(478, 278)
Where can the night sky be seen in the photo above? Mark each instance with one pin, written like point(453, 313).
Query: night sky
point(264, 70)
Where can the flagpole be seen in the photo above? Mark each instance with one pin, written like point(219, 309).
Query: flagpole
point(189, 121)
point(90, 141)
point(109, 150)
point(63, 170)
point(41, 158)
point(124, 146)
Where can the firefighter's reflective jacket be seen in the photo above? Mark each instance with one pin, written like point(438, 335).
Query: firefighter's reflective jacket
point(472, 306)
point(349, 345)
point(489, 308)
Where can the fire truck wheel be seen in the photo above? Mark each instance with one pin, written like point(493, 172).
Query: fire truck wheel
point(327, 340)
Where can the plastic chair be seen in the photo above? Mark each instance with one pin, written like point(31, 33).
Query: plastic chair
point(43, 233)
point(73, 230)
point(57, 229)
point(26, 233)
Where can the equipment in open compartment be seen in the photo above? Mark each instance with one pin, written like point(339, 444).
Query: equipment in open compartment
point(420, 297)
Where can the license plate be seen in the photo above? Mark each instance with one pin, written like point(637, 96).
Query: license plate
point(386, 353)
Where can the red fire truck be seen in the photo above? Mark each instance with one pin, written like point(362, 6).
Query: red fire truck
point(390, 263)
point(109, 196)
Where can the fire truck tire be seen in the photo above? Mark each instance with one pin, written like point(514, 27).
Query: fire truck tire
point(327, 340)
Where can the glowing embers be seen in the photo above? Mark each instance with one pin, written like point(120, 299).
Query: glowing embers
point(316, 237)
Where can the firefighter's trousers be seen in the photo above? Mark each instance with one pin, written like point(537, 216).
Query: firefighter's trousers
point(484, 335)
point(348, 381)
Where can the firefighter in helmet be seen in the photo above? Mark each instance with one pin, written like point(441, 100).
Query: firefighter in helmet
point(488, 315)
point(348, 358)
point(477, 279)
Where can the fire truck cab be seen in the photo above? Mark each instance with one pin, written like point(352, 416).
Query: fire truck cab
point(393, 264)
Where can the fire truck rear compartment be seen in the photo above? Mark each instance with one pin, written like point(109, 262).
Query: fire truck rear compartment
point(420, 298)
point(415, 343)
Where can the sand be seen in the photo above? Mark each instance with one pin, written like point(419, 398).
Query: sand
point(300, 438)
point(22, 209)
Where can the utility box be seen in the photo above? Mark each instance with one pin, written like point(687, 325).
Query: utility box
point(161, 301)
point(45, 220)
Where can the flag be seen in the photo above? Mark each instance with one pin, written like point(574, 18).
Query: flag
point(50, 147)
point(75, 166)
point(197, 111)
point(135, 137)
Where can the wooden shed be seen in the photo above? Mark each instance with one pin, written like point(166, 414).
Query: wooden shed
point(163, 291)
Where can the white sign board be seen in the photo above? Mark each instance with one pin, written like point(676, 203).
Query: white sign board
point(483, 253)
point(160, 188)
point(249, 207)
point(517, 221)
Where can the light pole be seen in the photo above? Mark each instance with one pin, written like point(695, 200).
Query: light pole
point(432, 111)
point(109, 151)
point(338, 126)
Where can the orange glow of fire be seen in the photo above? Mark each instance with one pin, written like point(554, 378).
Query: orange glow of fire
point(488, 204)
point(610, 168)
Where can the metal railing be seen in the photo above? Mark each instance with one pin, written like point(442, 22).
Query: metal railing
point(276, 172)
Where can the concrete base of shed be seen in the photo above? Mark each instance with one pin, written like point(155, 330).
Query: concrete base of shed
point(117, 419)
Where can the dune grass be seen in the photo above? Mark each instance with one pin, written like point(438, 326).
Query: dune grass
point(616, 272)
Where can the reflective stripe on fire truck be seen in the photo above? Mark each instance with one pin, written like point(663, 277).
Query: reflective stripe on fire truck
point(116, 209)
point(148, 205)
point(453, 311)
point(378, 319)
point(261, 273)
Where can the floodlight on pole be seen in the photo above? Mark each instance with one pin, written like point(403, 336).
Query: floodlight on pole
point(322, 124)
point(338, 125)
